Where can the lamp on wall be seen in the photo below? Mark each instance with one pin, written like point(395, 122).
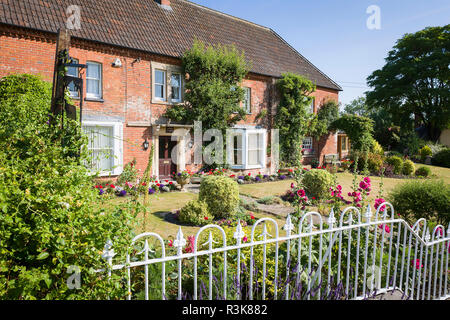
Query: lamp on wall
point(146, 144)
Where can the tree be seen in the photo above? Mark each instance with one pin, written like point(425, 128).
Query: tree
point(359, 130)
point(321, 122)
point(213, 92)
point(384, 130)
point(414, 82)
point(293, 117)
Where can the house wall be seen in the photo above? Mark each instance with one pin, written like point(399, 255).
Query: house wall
point(127, 90)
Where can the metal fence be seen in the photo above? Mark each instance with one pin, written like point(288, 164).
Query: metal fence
point(344, 256)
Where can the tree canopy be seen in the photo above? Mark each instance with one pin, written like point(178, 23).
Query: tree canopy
point(414, 82)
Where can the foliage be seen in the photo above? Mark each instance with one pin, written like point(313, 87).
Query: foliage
point(442, 158)
point(397, 163)
point(213, 91)
point(359, 130)
point(373, 161)
point(129, 173)
point(292, 116)
point(327, 114)
point(423, 172)
point(317, 183)
point(377, 148)
point(221, 195)
point(428, 199)
point(414, 80)
point(425, 152)
point(51, 218)
point(195, 213)
point(408, 168)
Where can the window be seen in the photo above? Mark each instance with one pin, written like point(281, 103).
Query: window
point(246, 148)
point(308, 145)
point(167, 83)
point(248, 100)
point(73, 72)
point(175, 82)
point(237, 159)
point(94, 80)
point(104, 146)
point(160, 85)
point(344, 143)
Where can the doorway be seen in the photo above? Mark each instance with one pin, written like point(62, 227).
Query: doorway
point(166, 165)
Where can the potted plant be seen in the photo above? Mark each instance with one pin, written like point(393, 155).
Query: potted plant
point(183, 178)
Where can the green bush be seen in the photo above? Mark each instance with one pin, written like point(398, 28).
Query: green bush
point(374, 161)
point(408, 167)
point(423, 172)
point(397, 163)
point(424, 152)
point(221, 194)
point(317, 183)
point(51, 216)
point(129, 174)
point(428, 199)
point(377, 148)
point(195, 213)
point(442, 158)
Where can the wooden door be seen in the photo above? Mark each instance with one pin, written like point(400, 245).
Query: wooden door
point(166, 165)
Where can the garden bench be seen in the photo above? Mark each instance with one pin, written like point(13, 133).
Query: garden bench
point(332, 159)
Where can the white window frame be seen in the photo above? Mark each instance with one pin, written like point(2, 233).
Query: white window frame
point(100, 80)
point(248, 100)
point(74, 94)
point(244, 132)
point(311, 143)
point(164, 85)
point(117, 155)
point(311, 107)
point(179, 88)
point(169, 70)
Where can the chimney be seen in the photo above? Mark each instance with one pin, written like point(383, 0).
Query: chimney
point(163, 3)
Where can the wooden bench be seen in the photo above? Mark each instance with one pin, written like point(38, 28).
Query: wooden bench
point(332, 159)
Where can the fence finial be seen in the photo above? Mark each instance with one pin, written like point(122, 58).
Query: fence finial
point(427, 235)
point(179, 242)
point(331, 219)
point(289, 226)
point(108, 252)
point(239, 234)
point(368, 214)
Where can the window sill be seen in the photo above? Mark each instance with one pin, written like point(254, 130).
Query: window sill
point(94, 99)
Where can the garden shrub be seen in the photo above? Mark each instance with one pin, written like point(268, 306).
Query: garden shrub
point(374, 161)
point(221, 195)
point(377, 148)
point(423, 172)
point(195, 213)
point(129, 173)
point(424, 152)
point(442, 158)
point(317, 183)
point(429, 199)
point(408, 168)
point(397, 163)
point(51, 216)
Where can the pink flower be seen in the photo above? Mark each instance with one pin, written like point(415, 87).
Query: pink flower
point(245, 239)
point(386, 228)
point(418, 264)
point(379, 202)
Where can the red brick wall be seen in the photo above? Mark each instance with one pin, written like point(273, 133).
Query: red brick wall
point(126, 90)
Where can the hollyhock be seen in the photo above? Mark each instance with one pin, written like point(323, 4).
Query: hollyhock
point(170, 243)
point(379, 202)
point(386, 228)
point(245, 239)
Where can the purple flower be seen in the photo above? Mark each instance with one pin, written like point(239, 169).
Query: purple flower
point(179, 174)
point(151, 191)
point(282, 177)
point(258, 179)
point(266, 176)
point(123, 193)
point(241, 177)
point(101, 191)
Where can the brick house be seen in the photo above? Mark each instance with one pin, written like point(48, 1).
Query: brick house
point(132, 50)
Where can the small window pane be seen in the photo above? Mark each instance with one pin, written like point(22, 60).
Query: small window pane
point(100, 147)
point(72, 71)
point(159, 76)
point(93, 79)
point(237, 150)
point(176, 87)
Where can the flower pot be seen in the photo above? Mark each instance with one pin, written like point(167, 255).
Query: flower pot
point(182, 182)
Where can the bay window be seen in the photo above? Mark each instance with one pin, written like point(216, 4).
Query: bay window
point(246, 148)
point(104, 147)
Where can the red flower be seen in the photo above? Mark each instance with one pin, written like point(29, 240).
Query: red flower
point(144, 184)
point(170, 182)
point(206, 218)
point(170, 243)
point(112, 186)
point(249, 174)
point(314, 198)
point(167, 181)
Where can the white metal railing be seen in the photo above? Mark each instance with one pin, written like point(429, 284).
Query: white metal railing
point(352, 257)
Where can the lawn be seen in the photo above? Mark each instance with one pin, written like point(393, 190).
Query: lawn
point(167, 202)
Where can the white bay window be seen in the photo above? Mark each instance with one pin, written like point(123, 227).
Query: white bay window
point(104, 147)
point(246, 148)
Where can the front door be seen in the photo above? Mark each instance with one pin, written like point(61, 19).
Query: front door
point(166, 165)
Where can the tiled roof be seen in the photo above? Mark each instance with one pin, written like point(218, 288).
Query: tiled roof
point(145, 25)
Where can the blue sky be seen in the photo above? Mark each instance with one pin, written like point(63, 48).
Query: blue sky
point(333, 34)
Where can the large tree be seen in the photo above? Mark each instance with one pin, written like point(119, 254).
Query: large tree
point(414, 83)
